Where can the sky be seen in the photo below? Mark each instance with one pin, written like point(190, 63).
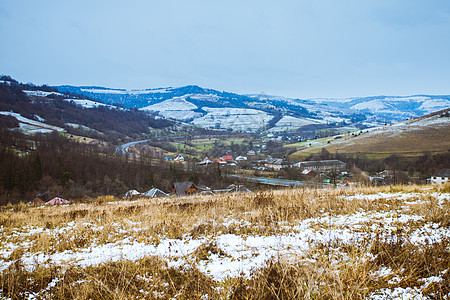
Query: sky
point(292, 48)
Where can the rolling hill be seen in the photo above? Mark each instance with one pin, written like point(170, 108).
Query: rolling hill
point(411, 138)
point(32, 109)
point(209, 108)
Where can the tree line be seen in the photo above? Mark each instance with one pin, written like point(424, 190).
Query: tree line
point(51, 162)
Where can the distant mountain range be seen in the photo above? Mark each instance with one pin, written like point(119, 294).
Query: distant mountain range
point(209, 108)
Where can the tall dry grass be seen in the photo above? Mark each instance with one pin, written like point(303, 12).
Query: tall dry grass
point(327, 271)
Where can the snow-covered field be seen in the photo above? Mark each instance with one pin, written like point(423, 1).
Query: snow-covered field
point(234, 235)
point(90, 104)
point(240, 119)
point(176, 108)
point(288, 123)
point(174, 104)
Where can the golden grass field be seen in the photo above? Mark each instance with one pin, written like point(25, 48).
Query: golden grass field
point(409, 138)
point(354, 243)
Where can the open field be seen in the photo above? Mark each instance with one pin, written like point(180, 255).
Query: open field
point(356, 243)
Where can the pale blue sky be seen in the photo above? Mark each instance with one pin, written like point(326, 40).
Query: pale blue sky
point(298, 48)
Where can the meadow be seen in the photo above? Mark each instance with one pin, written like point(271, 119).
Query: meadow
point(349, 243)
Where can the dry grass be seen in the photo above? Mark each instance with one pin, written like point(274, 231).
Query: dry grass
point(330, 269)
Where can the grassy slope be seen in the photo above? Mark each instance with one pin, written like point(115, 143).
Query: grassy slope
point(410, 138)
point(386, 252)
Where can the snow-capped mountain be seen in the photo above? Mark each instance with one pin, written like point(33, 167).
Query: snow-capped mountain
point(224, 110)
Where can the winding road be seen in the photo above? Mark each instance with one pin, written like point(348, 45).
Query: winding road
point(123, 148)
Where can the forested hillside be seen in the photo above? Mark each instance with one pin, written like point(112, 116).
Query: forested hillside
point(102, 122)
point(50, 162)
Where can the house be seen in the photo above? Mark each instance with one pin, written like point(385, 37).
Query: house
point(386, 174)
point(36, 201)
point(241, 158)
point(154, 193)
point(44, 197)
point(131, 194)
point(179, 159)
point(57, 201)
point(227, 157)
point(322, 165)
point(184, 188)
point(275, 164)
point(206, 161)
point(251, 153)
point(220, 161)
point(309, 173)
point(440, 177)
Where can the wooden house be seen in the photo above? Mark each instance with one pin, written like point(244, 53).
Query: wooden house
point(184, 188)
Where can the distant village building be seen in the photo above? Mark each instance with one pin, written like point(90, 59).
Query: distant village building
point(251, 153)
point(179, 159)
point(154, 193)
point(275, 164)
point(241, 158)
point(184, 188)
point(220, 161)
point(386, 174)
point(57, 201)
point(441, 177)
point(205, 161)
point(322, 165)
point(131, 194)
point(309, 173)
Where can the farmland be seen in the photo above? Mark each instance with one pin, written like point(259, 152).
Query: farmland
point(354, 243)
point(408, 138)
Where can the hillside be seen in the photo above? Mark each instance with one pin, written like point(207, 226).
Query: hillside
point(209, 108)
point(411, 138)
point(213, 109)
point(354, 243)
point(44, 109)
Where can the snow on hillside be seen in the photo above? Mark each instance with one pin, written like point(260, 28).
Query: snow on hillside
point(374, 105)
point(29, 126)
point(176, 108)
point(41, 93)
point(174, 104)
point(125, 92)
point(436, 122)
point(433, 105)
point(80, 102)
point(291, 123)
point(208, 97)
point(182, 115)
point(90, 104)
point(239, 119)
